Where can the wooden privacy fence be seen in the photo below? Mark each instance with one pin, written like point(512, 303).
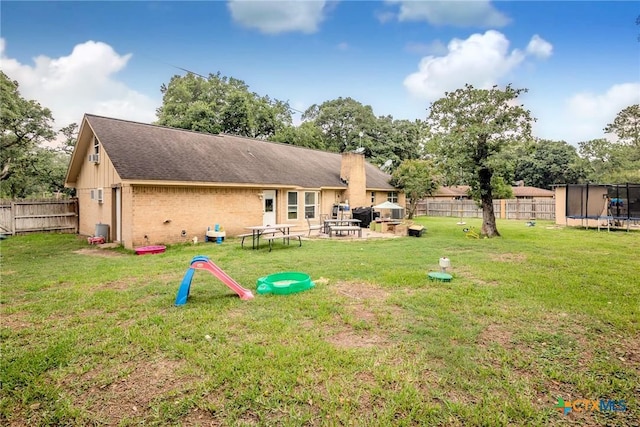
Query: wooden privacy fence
point(503, 208)
point(32, 216)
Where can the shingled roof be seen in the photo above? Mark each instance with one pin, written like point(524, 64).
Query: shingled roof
point(141, 151)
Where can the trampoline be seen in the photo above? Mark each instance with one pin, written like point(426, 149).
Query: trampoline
point(615, 205)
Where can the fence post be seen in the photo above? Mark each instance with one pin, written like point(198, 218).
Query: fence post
point(13, 218)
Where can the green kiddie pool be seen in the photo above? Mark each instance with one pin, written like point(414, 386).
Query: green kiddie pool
point(284, 283)
point(440, 277)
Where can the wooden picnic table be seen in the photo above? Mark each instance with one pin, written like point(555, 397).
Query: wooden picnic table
point(270, 233)
point(328, 223)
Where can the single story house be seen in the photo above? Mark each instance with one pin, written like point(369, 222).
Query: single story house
point(151, 184)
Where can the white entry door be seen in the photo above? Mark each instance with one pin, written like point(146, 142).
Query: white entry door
point(269, 207)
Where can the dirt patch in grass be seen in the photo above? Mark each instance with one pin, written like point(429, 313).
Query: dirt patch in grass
point(98, 252)
point(365, 302)
point(200, 417)
point(468, 274)
point(15, 321)
point(352, 339)
point(361, 291)
point(132, 395)
point(509, 257)
point(116, 285)
point(496, 334)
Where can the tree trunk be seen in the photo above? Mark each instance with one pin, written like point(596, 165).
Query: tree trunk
point(489, 228)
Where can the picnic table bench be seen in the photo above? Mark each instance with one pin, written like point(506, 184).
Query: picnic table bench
point(285, 238)
point(334, 229)
point(243, 236)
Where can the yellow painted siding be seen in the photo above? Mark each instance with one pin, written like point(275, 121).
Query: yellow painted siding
point(93, 176)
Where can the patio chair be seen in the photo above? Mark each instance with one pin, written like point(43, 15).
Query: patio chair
point(313, 226)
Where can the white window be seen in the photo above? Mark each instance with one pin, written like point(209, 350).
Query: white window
point(310, 205)
point(392, 196)
point(373, 197)
point(94, 156)
point(292, 205)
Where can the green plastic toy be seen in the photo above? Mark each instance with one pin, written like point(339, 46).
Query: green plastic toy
point(284, 283)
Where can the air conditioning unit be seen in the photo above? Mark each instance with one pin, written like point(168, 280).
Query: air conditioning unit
point(94, 158)
point(96, 194)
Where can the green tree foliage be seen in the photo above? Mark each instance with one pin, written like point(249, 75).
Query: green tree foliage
point(305, 135)
point(23, 125)
point(395, 141)
point(70, 137)
point(41, 174)
point(469, 129)
point(346, 125)
point(417, 179)
point(626, 126)
point(220, 104)
point(610, 162)
point(618, 161)
point(343, 123)
point(542, 163)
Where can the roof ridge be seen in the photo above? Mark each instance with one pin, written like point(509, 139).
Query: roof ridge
point(151, 124)
point(220, 134)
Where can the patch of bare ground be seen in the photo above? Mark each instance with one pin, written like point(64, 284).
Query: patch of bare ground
point(98, 252)
point(360, 339)
point(116, 285)
point(361, 291)
point(496, 334)
point(630, 349)
point(132, 394)
point(469, 274)
point(365, 302)
point(200, 417)
point(14, 321)
point(509, 257)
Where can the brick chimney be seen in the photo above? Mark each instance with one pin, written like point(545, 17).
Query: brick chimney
point(353, 172)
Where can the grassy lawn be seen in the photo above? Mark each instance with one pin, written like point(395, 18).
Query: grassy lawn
point(92, 337)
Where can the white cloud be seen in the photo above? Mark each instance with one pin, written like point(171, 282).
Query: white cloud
point(478, 13)
point(79, 83)
point(344, 46)
point(481, 60)
point(273, 17)
point(588, 113)
point(539, 47)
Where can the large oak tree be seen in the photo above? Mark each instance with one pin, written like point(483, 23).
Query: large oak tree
point(220, 104)
point(23, 125)
point(469, 128)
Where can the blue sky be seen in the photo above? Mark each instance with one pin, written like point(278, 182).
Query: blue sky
point(579, 60)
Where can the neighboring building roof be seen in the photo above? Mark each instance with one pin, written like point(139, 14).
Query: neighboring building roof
point(524, 191)
point(453, 191)
point(144, 152)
